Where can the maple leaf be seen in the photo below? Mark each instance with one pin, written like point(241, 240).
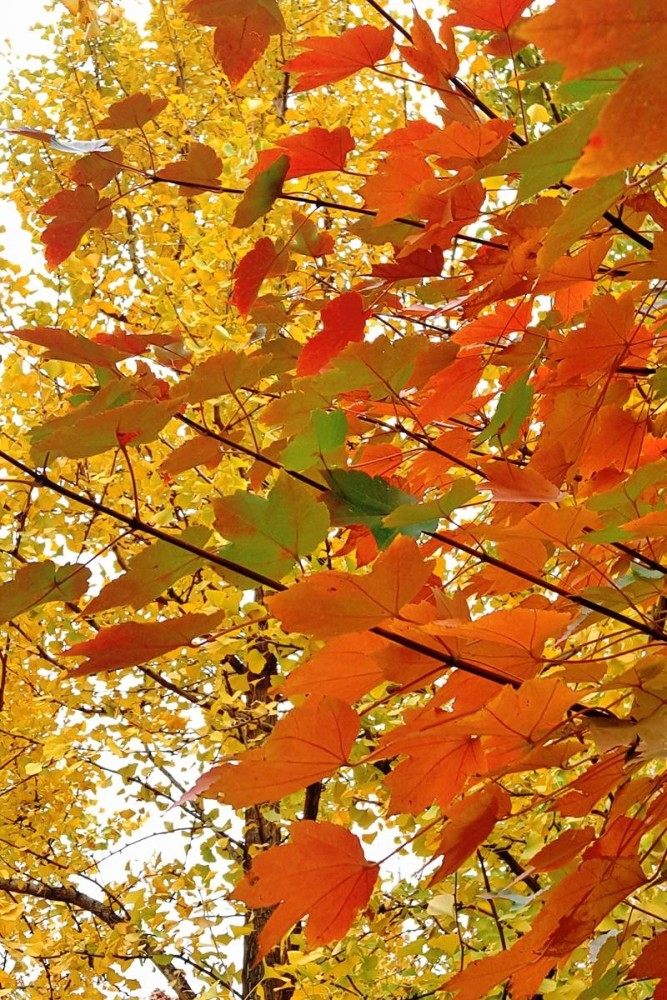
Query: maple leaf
point(309, 744)
point(487, 15)
point(343, 322)
point(40, 582)
point(271, 534)
point(151, 572)
point(322, 874)
point(134, 111)
point(313, 152)
point(329, 60)
point(263, 260)
point(73, 214)
point(260, 196)
point(132, 643)
point(332, 603)
point(197, 173)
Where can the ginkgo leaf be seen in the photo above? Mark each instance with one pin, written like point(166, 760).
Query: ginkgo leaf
point(343, 322)
point(322, 874)
point(151, 572)
point(134, 111)
point(73, 214)
point(262, 192)
point(38, 583)
point(271, 534)
point(313, 152)
point(133, 643)
point(308, 744)
point(331, 59)
point(333, 603)
point(197, 173)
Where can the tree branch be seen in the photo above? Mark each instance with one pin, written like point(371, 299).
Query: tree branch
point(82, 901)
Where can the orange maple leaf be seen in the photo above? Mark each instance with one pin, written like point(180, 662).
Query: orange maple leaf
point(333, 603)
point(321, 874)
point(334, 58)
point(309, 744)
point(74, 213)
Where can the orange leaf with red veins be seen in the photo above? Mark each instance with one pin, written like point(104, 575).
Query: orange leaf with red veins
point(493, 327)
point(199, 450)
point(652, 963)
point(451, 389)
point(487, 15)
point(96, 169)
point(134, 111)
point(132, 643)
point(612, 146)
point(561, 851)
point(311, 152)
point(388, 190)
point(333, 602)
point(238, 43)
point(470, 823)
point(307, 239)
point(322, 874)
point(572, 33)
point(74, 213)
point(65, 346)
point(345, 669)
point(433, 61)
point(263, 260)
point(343, 322)
point(197, 173)
point(308, 744)
point(610, 337)
point(520, 484)
point(460, 143)
point(215, 12)
point(419, 264)
point(579, 797)
point(330, 59)
point(437, 767)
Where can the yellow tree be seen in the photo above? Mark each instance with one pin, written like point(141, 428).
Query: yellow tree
point(334, 484)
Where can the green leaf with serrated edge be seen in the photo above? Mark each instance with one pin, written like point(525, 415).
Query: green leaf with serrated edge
point(581, 211)
point(261, 194)
point(512, 409)
point(151, 572)
point(425, 516)
point(357, 498)
point(547, 160)
point(324, 435)
point(270, 534)
point(39, 583)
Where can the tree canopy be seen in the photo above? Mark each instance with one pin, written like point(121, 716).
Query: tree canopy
point(334, 489)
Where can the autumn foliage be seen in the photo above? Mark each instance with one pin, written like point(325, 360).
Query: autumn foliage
point(335, 494)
